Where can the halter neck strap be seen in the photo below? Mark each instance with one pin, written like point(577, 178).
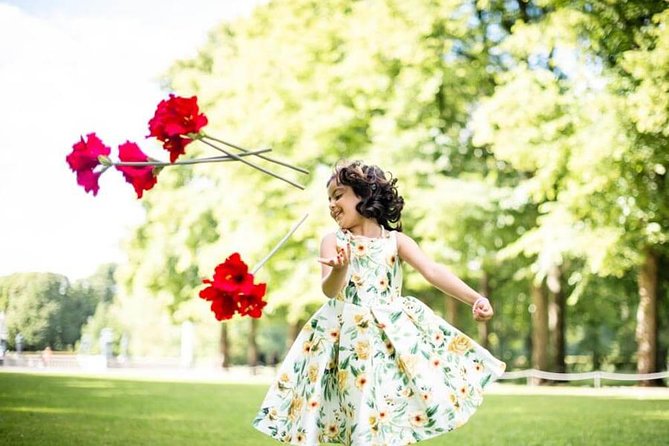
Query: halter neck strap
point(349, 235)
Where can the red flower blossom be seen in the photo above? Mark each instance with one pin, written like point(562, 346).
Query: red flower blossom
point(141, 177)
point(174, 120)
point(224, 307)
point(84, 159)
point(251, 304)
point(232, 275)
point(232, 290)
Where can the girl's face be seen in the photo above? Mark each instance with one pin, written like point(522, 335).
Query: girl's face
point(342, 201)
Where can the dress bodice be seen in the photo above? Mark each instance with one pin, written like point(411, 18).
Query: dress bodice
point(374, 273)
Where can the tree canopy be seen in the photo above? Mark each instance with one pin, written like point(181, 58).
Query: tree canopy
point(529, 137)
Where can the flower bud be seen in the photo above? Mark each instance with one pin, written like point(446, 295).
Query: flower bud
point(104, 160)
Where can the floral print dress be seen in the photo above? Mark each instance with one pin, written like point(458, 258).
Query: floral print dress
point(372, 367)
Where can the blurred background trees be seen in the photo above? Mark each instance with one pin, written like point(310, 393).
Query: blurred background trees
point(47, 310)
point(529, 137)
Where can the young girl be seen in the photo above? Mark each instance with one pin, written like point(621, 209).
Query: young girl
point(373, 367)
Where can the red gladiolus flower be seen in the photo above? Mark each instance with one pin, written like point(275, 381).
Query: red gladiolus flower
point(175, 118)
point(84, 159)
point(232, 290)
point(141, 177)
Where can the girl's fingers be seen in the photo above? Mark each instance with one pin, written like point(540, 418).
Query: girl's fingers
point(333, 262)
point(327, 262)
point(481, 317)
point(344, 254)
point(341, 259)
point(483, 312)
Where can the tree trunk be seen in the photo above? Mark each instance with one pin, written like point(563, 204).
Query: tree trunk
point(224, 346)
point(646, 316)
point(451, 307)
point(539, 328)
point(596, 358)
point(662, 316)
point(252, 351)
point(484, 327)
point(293, 331)
point(556, 317)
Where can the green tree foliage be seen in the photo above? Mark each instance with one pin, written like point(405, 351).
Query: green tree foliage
point(34, 308)
point(48, 310)
point(43, 309)
point(562, 114)
point(529, 138)
point(397, 96)
point(101, 289)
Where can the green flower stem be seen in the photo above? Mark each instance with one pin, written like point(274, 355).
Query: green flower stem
point(213, 159)
point(263, 170)
point(279, 245)
point(299, 169)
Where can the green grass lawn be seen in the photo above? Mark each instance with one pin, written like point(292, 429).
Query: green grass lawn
point(38, 409)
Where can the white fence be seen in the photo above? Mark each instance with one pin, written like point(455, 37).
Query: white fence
point(99, 363)
point(533, 376)
point(86, 362)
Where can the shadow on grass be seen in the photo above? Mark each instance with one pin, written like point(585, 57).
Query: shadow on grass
point(57, 410)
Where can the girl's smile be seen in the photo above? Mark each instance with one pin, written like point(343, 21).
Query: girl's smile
point(342, 202)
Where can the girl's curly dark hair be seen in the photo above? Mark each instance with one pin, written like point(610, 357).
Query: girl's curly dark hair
point(379, 197)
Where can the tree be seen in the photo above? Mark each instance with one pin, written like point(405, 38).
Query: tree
point(50, 311)
point(400, 95)
point(34, 307)
point(510, 126)
point(99, 291)
point(552, 138)
point(649, 116)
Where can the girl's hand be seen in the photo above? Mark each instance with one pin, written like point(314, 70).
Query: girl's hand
point(482, 310)
point(342, 259)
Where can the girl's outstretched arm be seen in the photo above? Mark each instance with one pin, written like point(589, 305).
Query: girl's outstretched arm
point(441, 277)
point(334, 265)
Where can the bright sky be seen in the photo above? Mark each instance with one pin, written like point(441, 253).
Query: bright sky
point(68, 68)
